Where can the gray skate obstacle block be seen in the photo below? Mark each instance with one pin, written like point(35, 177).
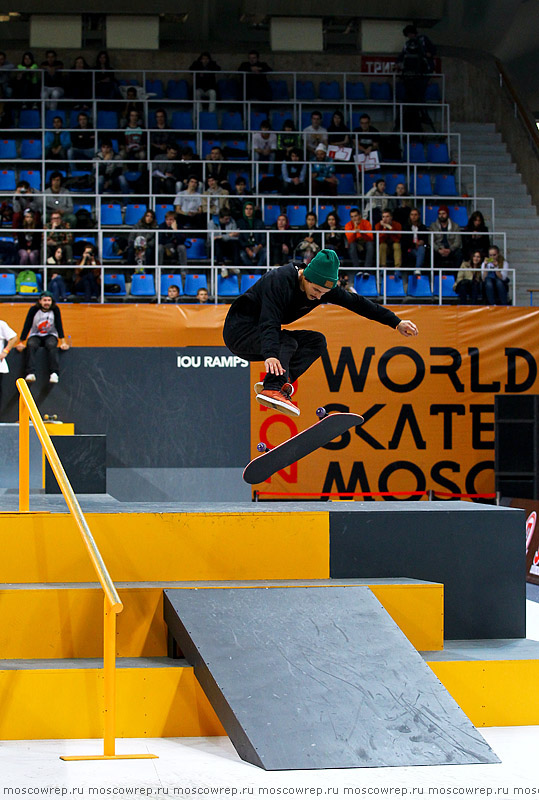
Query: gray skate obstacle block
point(318, 678)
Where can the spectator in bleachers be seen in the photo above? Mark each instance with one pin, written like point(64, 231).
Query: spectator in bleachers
point(315, 134)
point(237, 197)
point(293, 174)
point(87, 275)
point(82, 141)
point(131, 105)
point(256, 83)
point(360, 239)
point(161, 136)
point(57, 141)
point(416, 63)
point(310, 242)
point(264, 143)
point(414, 241)
point(288, 140)
point(188, 165)
point(58, 199)
point(468, 282)
point(217, 167)
point(110, 176)
point(447, 241)
point(334, 238)
point(377, 200)
point(173, 294)
point(141, 240)
point(401, 204)
point(57, 258)
point(479, 238)
point(338, 131)
point(59, 236)
point(390, 238)
point(282, 242)
point(25, 197)
point(165, 171)
point(188, 205)
point(132, 146)
point(79, 83)
point(202, 296)
point(214, 198)
point(495, 276)
point(225, 241)
point(105, 82)
point(56, 285)
point(205, 82)
point(6, 67)
point(171, 242)
point(366, 142)
point(323, 178)
point(29, 240)
point(251, 240)
point(53, 80)
point(27, 81)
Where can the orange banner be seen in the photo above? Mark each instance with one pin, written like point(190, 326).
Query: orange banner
point(428, 401)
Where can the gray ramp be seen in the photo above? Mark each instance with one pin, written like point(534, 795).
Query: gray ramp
point(318, 678)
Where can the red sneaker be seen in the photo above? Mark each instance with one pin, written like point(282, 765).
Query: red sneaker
point(279, 401)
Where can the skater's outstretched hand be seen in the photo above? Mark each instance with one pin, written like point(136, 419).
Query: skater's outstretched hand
point(273, 366)
point(407, 328)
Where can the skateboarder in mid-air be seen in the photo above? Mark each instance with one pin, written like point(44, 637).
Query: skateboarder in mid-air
point(253, 329)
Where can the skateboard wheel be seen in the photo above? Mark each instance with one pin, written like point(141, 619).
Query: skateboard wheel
point(45, 416)
point(261, 447)
point(321, 412)
point(55, 416)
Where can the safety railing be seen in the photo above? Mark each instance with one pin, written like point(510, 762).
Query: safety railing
point(112, 603)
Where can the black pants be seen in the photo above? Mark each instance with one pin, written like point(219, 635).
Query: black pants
point(50, 343)
point(297, 349)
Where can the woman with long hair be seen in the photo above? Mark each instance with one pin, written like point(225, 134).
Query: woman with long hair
point(27, 79)
point(468, 283)
point(105, 82)
point(338, 130)
point(475, 236)
point(29, 240)
point(333, 238)
point(282, 242)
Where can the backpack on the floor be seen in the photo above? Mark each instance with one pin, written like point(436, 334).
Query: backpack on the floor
point(26, 282)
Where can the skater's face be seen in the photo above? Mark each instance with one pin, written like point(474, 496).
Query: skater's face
point(313, 291)
point(45, 303)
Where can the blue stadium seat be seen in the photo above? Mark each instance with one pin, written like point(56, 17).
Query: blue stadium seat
point(237, 144)
point(31, 148)
point(8, 148)
point(170, 279)
point(182, 121)
point(423, 186)
point(278, 119)
point(133, 212)
point(33, 176)
point(322, 213)
point(247, 281)
point(160, 211)
point(194, 282)
point(50, 114)
point(86, 206)
point(459, 214)
point(392, 179)
point(437, 153)
point(432, 94)
point(87, 238)
point(271, 212)
point(155, 86)
point(419, 286)
point(207, 121)
point(256, 118)
point(347, 184)
point(343, 210)
point(111, 214)
point(110, 252)
point(329, 90)
point(431, 215)
point(196, 248)
point(7, 284)
point(394, 286)
point(417, 153)
point(369, 178)
point(178, 90)
point(279, 90)
point(305, 90)
point(113, 279)
point(107, 120)
point(445, 185)
point(381, 91)
point(233, 175)
point(447, 285)
point(207, 145)
point(29, 118)
point(355, 90)
point(296, 215)
point(228, 287)
point(366, 285)
point(231, 121)
point(228, 89)
point(142, 284)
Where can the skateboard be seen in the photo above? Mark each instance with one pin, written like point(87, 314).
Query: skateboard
point(52, 419)
point(322, 432)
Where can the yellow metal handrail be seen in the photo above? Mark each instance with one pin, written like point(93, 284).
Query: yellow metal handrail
point(112, 605)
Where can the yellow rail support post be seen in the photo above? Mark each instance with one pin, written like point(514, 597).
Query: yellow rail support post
point(112, 603)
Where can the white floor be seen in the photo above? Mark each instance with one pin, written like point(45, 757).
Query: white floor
point(210, 766)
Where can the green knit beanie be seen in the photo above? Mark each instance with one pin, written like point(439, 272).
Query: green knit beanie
point(323, 270)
